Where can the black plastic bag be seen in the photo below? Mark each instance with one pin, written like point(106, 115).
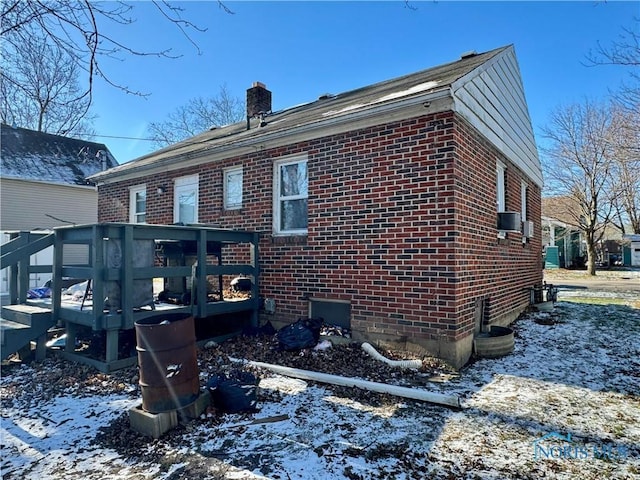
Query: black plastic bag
point(234, 394)
point(266, 329)
point(302, 334)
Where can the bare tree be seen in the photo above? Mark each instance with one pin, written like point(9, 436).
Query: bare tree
point(625, 178)
point(579, 163)
point(198, 115)
point(624, 52)
point(40, 88)
point(625, 181)
point(78, 28)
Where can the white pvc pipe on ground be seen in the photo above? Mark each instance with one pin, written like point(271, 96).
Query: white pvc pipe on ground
point(367, 347)
point(414, 393)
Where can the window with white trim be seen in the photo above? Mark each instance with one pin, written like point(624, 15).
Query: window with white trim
point(232, 188)
point(290, 195)
point(185, 200)
point(523, 200)
point(138, 204)
point(500, 186)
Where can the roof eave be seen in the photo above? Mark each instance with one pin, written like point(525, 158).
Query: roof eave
point(45, 182)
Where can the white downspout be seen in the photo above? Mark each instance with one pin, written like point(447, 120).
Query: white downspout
point(367, 347)
point(414, 393)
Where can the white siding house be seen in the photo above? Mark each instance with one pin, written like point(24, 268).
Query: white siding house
point(43, 184)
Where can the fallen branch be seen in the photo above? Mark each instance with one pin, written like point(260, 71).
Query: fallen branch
point(258, 421)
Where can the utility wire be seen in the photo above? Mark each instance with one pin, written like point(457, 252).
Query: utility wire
point(124, 138)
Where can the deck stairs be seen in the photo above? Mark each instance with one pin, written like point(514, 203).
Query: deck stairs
point(22, 324)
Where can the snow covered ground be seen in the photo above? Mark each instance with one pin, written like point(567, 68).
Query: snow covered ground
point(565, 405)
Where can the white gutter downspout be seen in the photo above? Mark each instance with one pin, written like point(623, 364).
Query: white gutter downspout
point(414, 393)
point(367, 347)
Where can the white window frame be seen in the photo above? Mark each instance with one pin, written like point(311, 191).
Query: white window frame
point(501, 198)
point(181, 185)
point(228, 175)
point(523, 200)
point(277, 198)
point(133, 204)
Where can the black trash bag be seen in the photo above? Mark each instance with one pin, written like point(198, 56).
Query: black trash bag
point(266, 329)
point(234, 394)
point(304, 333)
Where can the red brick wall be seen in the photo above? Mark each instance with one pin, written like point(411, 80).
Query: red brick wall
point(498, 270)
point(402, 223)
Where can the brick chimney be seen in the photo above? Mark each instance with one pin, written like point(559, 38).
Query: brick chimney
point(258, 100)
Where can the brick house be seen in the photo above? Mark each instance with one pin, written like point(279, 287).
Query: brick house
point(382, 207)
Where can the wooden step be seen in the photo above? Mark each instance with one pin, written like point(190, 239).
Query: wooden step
point(26, 314)
point(21, 324)
point(8, 325)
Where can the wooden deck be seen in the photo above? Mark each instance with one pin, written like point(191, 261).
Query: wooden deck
point(123, 264)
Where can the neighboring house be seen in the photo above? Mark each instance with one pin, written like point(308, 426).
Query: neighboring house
point(611, 250)
point(43, 184)
point(570, 249)
point(378, 208)
point(559, 230)
point(631, 252)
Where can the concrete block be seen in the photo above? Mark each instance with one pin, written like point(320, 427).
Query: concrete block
point(195, 409)
point(336, 339)
point(152, 424)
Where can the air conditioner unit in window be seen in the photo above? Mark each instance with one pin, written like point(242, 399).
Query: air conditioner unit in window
point(509, 222)
point(527, 229)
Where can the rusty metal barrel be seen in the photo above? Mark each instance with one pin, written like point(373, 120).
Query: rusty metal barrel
point(166, 345)
point(497, 342)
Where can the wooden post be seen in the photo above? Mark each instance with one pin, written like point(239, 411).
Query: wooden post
point(72, 334)
point(23, 272)
point(200, 278)
point(41, 347)
point(97, 276)
point(56, 276)
point(126, 275)
point(255, 291)
point(111, 347)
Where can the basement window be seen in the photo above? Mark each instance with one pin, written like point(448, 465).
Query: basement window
point(333, 311)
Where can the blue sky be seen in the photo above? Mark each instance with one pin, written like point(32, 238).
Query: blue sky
point(301, 50)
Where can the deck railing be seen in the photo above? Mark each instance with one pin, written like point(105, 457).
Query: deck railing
point(16, 257)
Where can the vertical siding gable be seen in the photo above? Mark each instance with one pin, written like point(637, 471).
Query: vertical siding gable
point(492, 99)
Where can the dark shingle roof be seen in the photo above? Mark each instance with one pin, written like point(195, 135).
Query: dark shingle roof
point(564, 209)
point(325, 108)
point(30, 155)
